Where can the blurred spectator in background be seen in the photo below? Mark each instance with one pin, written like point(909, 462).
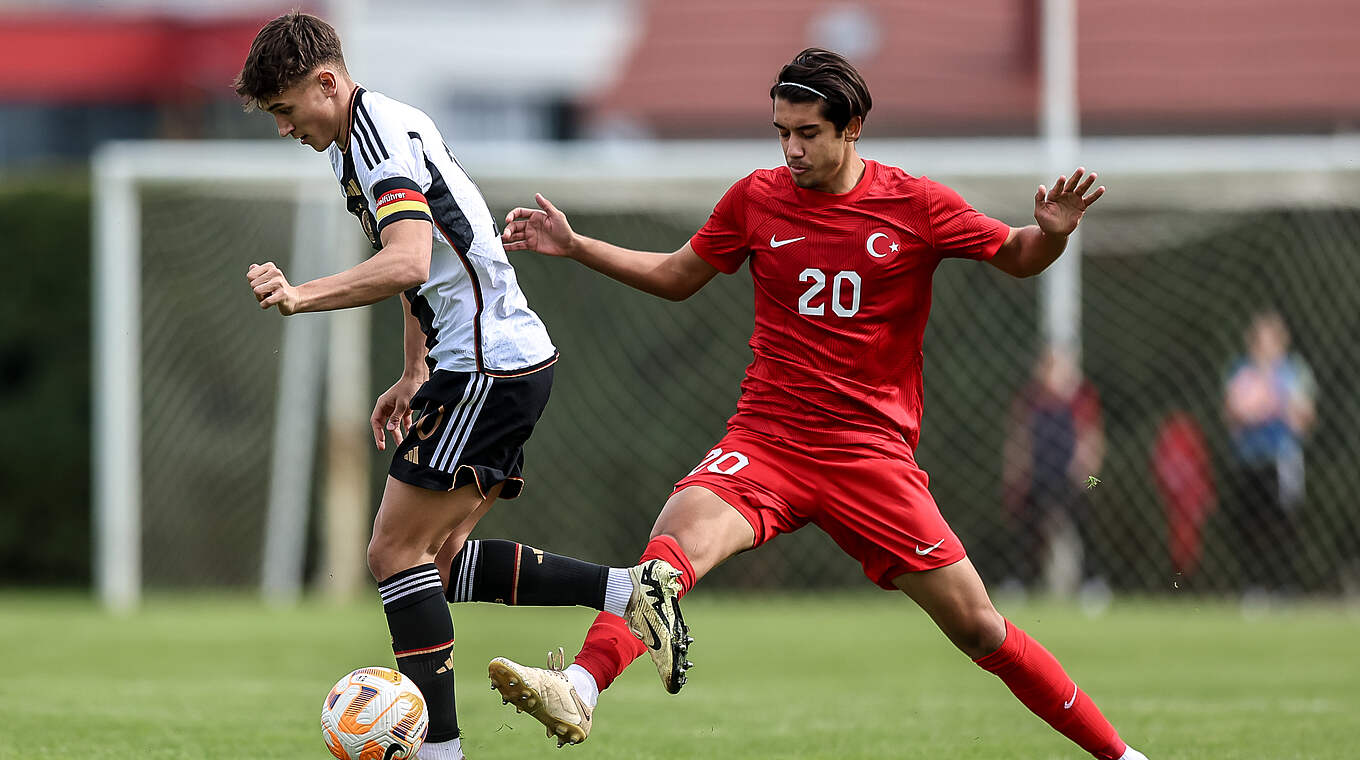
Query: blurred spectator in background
point(1185, 483)
point(1054, 442)
point(1269, 407)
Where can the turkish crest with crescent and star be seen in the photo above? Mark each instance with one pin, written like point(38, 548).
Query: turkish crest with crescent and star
point(883, 242)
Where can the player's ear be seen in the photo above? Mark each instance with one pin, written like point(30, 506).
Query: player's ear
point(853, 127)
point(329, 84)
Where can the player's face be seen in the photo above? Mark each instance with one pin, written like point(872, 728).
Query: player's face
point(814, 152)
point(310, 111)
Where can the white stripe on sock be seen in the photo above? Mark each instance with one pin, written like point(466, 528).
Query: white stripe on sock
point(618, 591)
point(434, 584)
point(468, 570)
point(457, 574)
point(408, 581)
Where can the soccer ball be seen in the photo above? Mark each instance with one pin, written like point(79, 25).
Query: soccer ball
point(374, 714)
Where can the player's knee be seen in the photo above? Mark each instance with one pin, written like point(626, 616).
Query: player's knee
point(376, 563)
point(708, 529)
point(979, 631)
point(992, 633)
point(390, 554)
point(384, 557)
point(679, 528)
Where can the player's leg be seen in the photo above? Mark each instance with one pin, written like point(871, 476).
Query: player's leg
point(514, 574)
point(903, 542)
point(730, 503)
point(411, 525)
point(507, 572)
point(738, 497)
point(694, 533)
point(957, 601)
point(471, 431)
point(464, 451)
point(458, 538)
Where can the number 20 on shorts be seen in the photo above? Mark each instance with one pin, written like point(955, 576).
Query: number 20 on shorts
point(723, 464)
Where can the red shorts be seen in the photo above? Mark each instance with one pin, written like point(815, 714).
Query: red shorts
point(872, 499)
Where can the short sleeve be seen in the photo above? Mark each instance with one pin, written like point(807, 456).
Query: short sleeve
point(722, 240)
point(390, 164)
point(959, 230)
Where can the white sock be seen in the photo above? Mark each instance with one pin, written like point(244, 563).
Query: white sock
point(450, 750)
point(584, 683)
point(617, 591)
point(1132, 754)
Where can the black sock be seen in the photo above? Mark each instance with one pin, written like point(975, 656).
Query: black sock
point(422, 640)
point(504, 572)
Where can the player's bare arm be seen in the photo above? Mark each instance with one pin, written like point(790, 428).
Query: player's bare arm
point(403, 263)
point(673, 276)
point(1029, 250)
point(392, 411)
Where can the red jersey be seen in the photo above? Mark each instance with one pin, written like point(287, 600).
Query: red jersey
point(842, 293)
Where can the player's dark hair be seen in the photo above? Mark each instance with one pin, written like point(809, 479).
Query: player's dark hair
point(827, 77)
point(284, 52)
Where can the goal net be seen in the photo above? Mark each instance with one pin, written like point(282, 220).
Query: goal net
point(1193, 242)
point(206, 409)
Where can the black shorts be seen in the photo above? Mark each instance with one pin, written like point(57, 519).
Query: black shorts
point(471, 428)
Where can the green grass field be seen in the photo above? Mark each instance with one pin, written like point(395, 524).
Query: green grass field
point(844, 676)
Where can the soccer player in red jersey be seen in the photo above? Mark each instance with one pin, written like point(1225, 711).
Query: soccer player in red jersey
point(841, 251)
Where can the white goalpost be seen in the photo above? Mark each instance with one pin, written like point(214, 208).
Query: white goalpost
point(319, 244)
point(205, 437)
point(1060, 128)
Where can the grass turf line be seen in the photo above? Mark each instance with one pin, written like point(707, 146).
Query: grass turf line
point(858, 675)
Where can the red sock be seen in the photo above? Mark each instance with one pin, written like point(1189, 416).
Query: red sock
point(609, 646)
point(1038, 681)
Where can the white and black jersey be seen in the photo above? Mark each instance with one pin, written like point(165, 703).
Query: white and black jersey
point(396, 166)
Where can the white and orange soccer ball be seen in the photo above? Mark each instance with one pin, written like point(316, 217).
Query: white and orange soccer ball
point(374, 714)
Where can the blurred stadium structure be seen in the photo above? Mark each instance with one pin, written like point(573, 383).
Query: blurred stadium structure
point(550, 69)
point(566, 97)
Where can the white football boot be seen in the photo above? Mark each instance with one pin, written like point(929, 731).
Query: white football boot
point(544, 693)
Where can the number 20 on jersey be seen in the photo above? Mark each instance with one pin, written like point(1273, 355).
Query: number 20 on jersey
point(843, 294)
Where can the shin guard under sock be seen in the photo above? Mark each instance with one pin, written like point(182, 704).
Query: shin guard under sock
point(422, 640)
point(1040, 683)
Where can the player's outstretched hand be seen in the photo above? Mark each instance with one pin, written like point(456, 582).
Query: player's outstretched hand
point(544, 229)
point(392, 412)
point(272, 288)
point(1059, 210)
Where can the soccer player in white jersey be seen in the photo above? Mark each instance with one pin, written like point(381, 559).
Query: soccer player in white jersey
point(478, 370)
